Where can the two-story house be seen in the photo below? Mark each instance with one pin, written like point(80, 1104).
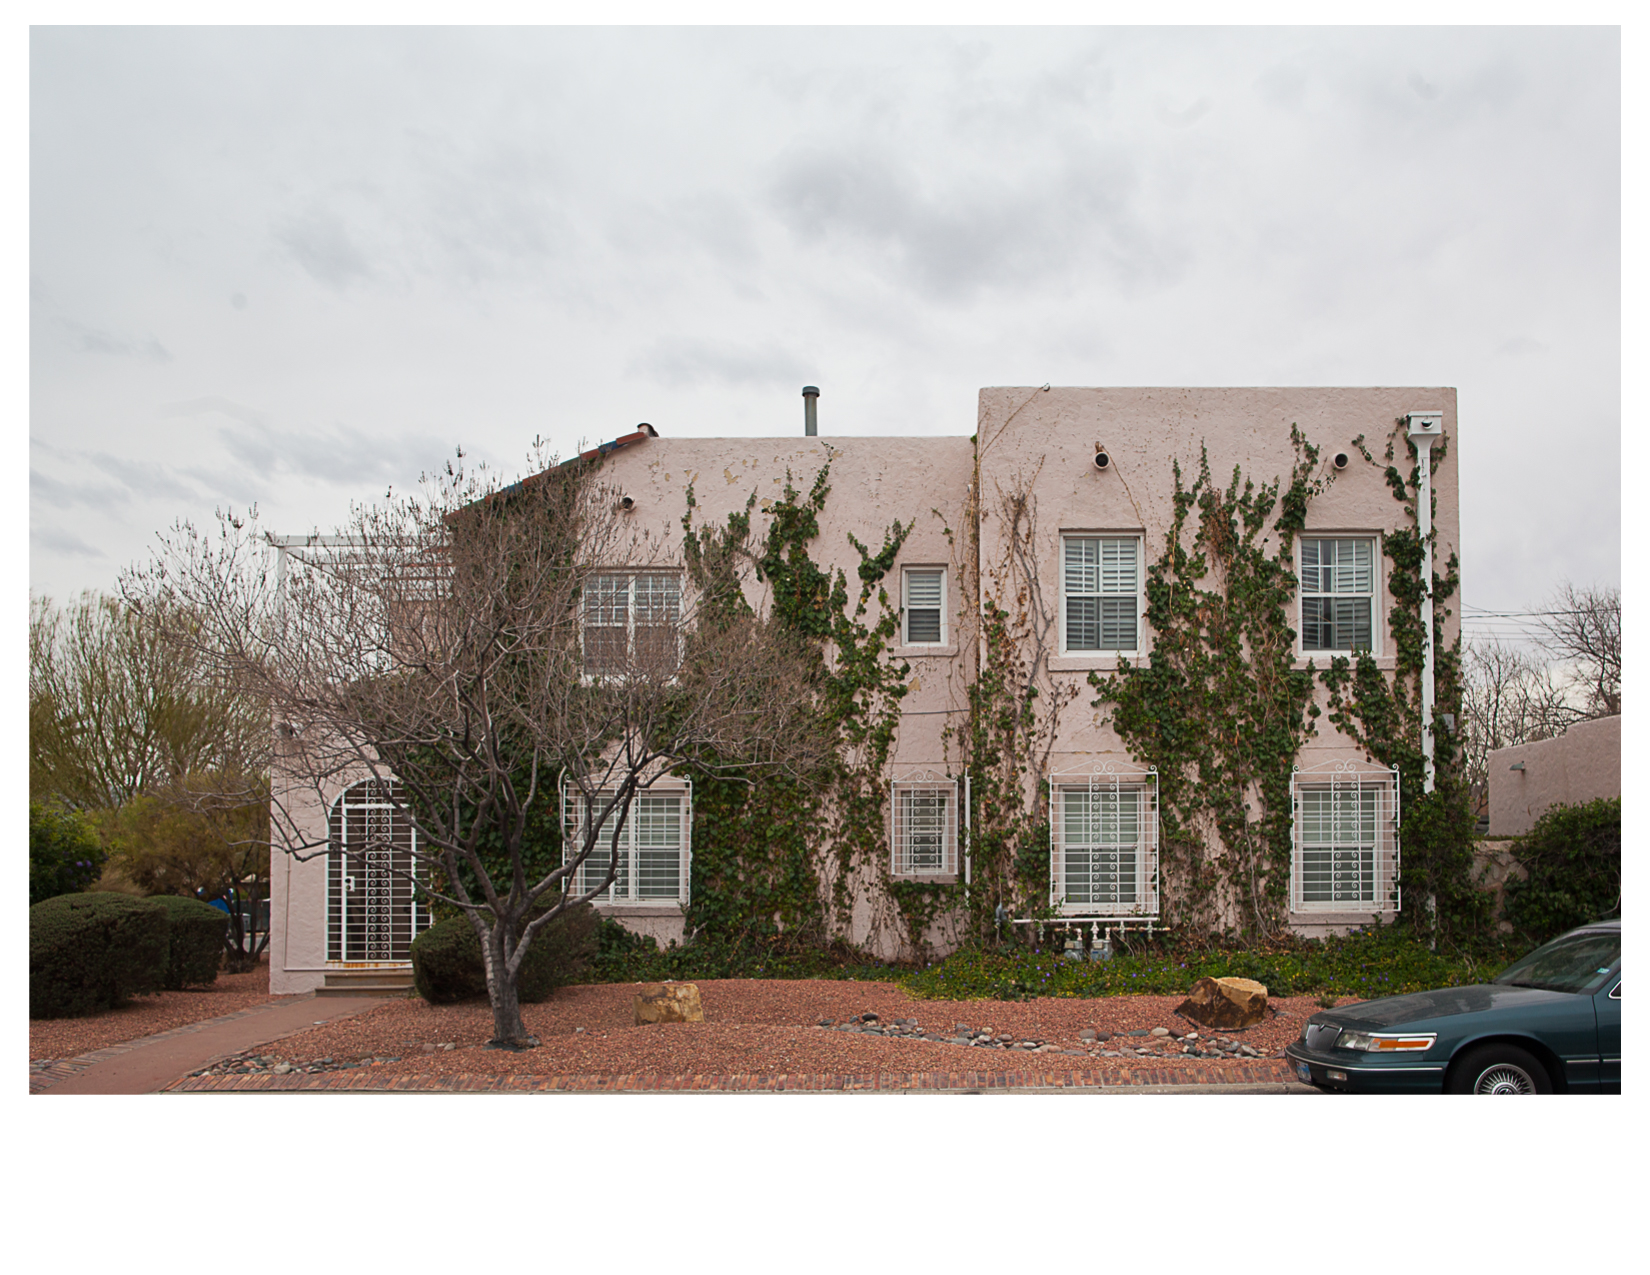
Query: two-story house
point(1031, 553)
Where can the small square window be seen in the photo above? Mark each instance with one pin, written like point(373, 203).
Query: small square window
point(632, 622)
point(1100, 593)
point(1337, 590)
point(924, 606)
point(924, 827)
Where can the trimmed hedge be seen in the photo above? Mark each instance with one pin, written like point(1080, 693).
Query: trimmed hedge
point(91, 952)
point(196, 931)
point(447, 963)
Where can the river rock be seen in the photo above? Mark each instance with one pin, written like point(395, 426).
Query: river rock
point(669, 1003)
point(1229, 1003)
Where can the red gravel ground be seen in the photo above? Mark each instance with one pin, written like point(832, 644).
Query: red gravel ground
point(755, 1026)
point(146, 1015)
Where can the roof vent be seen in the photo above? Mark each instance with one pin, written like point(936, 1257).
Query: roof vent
point(810, 410)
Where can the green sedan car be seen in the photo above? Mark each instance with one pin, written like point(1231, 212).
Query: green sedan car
point(1550, 1023)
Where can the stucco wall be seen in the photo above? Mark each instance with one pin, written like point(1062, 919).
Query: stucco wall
point(1045, 442)
point(1583, 764)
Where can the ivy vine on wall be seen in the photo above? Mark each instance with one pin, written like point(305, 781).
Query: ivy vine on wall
point(1220, 707)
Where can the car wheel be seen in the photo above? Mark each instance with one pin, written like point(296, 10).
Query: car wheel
point(1499, 1069)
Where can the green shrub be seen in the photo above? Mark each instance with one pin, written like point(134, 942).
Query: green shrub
point(65, 855)
point(196, 938)
point(447, 963)
point(1573, 858)
point(91, 952)
point(1384, 960)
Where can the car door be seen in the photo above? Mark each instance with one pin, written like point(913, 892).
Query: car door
point(1607, 1007)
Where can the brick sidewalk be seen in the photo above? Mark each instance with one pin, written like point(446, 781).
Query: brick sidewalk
point(1273, 1076)
point(151, 1063)
point(48, 1072)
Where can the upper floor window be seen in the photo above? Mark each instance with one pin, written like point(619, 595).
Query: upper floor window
point(1100, 593)
point(632, 621)
point(1337, 594)
point(924, 606)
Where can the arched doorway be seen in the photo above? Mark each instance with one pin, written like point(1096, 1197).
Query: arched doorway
point(373, 911)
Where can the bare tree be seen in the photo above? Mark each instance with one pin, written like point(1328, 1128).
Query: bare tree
point(475, 642)
point(1510, 697)
point(1583, 626)
point(118, 706)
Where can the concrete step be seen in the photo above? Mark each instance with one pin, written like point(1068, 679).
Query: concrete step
point(367, 983)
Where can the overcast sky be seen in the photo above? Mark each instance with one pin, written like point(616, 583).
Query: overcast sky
point(295, 267)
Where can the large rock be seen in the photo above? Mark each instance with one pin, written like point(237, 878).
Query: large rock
point(679, 1003)
point(1228, 1003)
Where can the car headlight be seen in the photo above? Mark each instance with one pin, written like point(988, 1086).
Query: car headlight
point(1379, 1043)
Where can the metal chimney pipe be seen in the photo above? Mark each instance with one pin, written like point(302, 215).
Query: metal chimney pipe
point(810, 410)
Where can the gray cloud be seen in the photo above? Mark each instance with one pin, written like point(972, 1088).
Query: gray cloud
point(93, 341)
point(324, 247)
point(1011, 231)
point(64, 542)
point(66, 495)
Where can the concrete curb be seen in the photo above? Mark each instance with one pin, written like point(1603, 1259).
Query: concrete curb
point(1259, 1079)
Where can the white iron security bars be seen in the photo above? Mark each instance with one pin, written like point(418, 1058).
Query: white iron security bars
point(373, 913)
point(924, 817)
point(1346, 853)
point(1104, 841)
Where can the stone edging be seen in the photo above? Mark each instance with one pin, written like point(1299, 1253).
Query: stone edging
point(365, 1081)
point(44, 1073)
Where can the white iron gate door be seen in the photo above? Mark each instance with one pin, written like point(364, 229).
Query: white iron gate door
point(372, 909)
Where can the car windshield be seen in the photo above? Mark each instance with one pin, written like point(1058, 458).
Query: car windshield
point(1574, 963)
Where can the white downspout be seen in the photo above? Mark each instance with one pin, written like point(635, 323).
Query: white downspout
point(1424, 428)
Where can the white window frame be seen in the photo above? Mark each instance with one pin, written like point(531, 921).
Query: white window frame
point(1357, 852)
point(626, 886)
point(1116, 785)
point(905, 605)
point(907, 824)
point(1139, 592)
point(1373, 594)
point(630, 577)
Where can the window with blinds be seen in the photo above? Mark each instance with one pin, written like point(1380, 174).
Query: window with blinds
point(1099, 839)
point(924, 606)
point(652, 845)
point(1337, 589)
point(1100, 593)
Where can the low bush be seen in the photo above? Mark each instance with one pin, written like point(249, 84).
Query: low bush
point(447, 964)
point(196, 938)
point(1381, 961)
point(626, 957)
point(65, 855)
point(92, 952)
point(1573, 858)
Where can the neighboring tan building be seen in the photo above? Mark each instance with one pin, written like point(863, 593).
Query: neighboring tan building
point(1583, 764)
point(1090, 532)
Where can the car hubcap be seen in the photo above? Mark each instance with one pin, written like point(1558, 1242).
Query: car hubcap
point(1505, 1078)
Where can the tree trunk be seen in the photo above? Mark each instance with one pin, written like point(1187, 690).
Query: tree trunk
point(509, 1032)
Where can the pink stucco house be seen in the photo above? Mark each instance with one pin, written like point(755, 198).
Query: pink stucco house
point(1091, 473)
